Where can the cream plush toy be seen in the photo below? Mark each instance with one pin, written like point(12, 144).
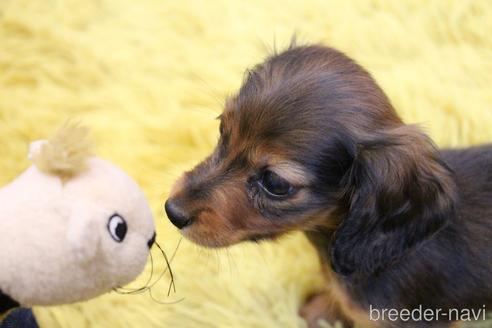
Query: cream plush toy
point(73, 226)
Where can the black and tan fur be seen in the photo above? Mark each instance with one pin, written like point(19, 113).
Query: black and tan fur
point(396, 221)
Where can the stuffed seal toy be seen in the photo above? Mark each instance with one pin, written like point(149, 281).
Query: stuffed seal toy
point(73, 225)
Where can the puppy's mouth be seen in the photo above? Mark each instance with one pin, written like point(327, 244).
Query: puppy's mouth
point(221, 239)
point(207, 227)
point(207, 240)
point(256, 238)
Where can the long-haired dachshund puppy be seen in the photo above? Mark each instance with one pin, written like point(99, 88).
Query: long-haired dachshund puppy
point(311, 143)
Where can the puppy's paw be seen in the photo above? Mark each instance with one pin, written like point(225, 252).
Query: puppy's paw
point(319, 311)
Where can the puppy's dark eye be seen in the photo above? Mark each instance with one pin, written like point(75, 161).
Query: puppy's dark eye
point(117, 227)
point(273, 184)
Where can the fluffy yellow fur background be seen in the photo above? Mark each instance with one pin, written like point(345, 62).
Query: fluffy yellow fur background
point(150, 76)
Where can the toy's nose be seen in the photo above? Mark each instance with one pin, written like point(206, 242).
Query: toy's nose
point(176, 215)
point(151, 241)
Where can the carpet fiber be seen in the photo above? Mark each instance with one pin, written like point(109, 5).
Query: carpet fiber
point(150, 76)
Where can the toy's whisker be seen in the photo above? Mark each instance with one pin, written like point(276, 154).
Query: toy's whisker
point(171, 274)
point(172, 284)
point(161, 302)
point(162, 273)
point(126, 290)
point(149, 284)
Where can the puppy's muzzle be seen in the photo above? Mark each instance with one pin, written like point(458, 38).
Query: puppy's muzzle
point(177, 215)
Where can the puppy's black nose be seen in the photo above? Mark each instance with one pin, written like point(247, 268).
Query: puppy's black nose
point(176, 215)
point(151, 241)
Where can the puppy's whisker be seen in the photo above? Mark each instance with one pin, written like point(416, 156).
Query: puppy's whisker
point(229, 260)
point(217, 258)
point(216, 94)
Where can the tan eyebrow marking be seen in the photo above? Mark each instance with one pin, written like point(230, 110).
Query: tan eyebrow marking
point(295, 173)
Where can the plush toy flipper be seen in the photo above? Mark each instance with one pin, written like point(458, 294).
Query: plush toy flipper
point(6, 304)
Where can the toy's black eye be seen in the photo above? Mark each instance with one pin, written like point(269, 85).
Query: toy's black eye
point(117, 227)
point(275, 185)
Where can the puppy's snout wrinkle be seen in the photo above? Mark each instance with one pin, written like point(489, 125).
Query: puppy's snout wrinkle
point(176, 214)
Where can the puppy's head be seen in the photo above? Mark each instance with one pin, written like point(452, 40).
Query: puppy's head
point(309, 139)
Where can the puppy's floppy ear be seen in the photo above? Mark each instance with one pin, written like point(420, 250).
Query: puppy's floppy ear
point(398, 193)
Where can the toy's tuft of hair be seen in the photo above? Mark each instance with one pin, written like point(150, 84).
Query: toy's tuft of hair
point(66, 153)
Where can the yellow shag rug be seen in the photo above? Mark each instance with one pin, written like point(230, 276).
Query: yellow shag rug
point(150, 76)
